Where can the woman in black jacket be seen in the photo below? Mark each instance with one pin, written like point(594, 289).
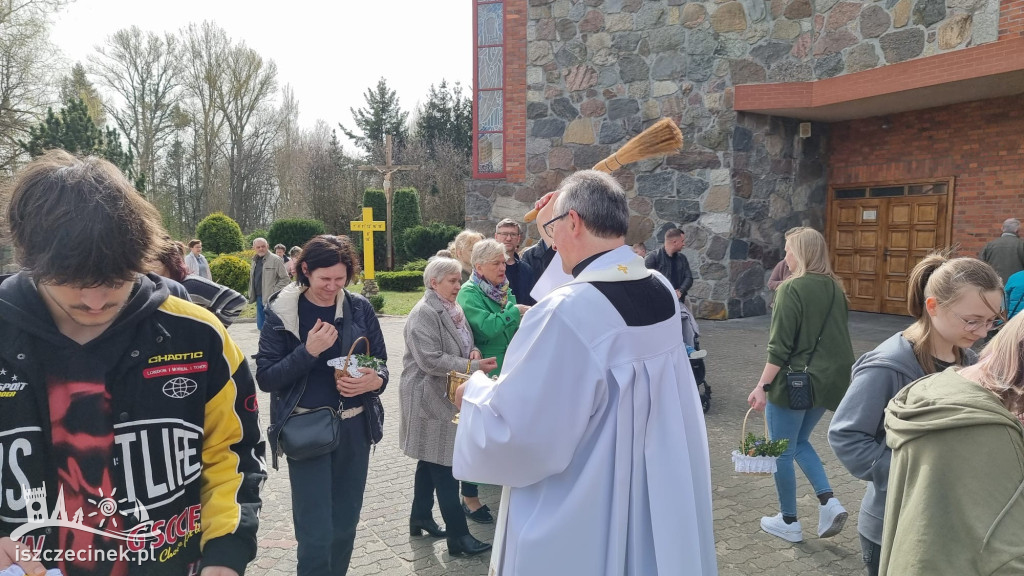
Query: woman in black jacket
point(310, 322)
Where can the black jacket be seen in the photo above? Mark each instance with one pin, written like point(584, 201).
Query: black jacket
point(283, 363)
point(521, 280)
point(676, 268)
point(184, 417)
point(537, 257)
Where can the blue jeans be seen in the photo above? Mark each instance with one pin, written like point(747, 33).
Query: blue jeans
point(872, 554)
point(795, 426)
point(261, 316)
point(327, 495)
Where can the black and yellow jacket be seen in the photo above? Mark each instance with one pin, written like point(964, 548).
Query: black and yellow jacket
point(188, 456)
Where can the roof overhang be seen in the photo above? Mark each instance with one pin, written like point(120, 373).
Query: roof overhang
point(989, 71)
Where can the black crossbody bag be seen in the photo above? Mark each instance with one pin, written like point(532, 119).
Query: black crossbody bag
point(798, 383)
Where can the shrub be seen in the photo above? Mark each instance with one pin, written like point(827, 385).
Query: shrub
point(250, 237)
point(377, 300)
point(293, 231)
point(405, 214)
point(219, 234)
point(405, 281)
point(425, 241)
point(415, 266)
point(232, 272)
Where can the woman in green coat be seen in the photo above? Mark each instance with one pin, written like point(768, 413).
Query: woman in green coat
point(809, 333)
point(488, 302)
point(492, 313)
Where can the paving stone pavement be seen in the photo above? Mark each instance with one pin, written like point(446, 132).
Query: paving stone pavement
point(735, 359)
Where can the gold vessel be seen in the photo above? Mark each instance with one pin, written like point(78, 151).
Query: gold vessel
point(455, 379)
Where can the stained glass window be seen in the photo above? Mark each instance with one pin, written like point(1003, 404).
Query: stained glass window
point(489, 85)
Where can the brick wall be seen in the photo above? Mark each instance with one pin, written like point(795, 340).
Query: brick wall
point(515, 90)
point(981, 144)
point(1011, 18)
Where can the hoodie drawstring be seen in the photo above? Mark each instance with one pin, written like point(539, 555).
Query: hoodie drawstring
point(999, 518)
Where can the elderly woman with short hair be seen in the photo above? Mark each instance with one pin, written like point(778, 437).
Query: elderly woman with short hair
point(437, 340)
point(490, 306)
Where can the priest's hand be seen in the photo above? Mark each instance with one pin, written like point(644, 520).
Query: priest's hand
point(458, 395)
point(370, 381)
point(321, 337)
point(545, 206)
point(488, 364)
point(17, 554)
point(758, 398)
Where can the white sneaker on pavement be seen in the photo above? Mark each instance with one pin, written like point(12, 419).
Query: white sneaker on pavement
point(831, 518)
point(776, 526)
point(698, 354)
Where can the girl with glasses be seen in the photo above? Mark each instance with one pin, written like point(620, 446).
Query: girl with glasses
point(954, 301)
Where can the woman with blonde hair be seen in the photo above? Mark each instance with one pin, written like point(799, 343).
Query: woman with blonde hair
point(955, 503)
point(809, 334)
point(462, 250)
point(494, 316)
point(954, 302)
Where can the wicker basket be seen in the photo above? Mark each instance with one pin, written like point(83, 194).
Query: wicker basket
point(755, 465)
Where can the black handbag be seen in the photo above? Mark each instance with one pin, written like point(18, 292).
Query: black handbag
point(315, 432)
point(310, 434)
point(798, 383)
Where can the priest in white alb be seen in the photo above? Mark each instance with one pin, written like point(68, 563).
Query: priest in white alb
point(594, 423)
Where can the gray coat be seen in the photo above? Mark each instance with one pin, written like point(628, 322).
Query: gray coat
point(432, 348)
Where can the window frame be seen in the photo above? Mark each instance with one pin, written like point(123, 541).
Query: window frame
point(477, 174)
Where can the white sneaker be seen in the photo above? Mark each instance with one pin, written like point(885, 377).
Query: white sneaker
point(776, 526)
point(698, 354)
point(831, 518)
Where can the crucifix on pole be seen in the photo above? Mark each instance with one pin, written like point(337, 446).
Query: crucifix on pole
point(387, 169)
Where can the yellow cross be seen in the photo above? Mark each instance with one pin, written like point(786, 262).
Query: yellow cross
point(368, 226)
point(623, 269)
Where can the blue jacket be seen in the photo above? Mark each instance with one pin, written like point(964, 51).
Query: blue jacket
point(1014, 294)
point(283, 363)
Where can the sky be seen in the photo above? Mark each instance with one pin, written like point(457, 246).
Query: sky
point(329, 51)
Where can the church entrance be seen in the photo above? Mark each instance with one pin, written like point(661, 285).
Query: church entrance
point(877, 233)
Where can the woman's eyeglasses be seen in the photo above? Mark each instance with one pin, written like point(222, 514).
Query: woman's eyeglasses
point(974, 325)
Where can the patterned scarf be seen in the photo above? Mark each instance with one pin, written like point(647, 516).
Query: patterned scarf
point(459, 319)
point(497, 293)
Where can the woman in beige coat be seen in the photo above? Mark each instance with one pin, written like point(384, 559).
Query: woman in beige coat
point(437, 340)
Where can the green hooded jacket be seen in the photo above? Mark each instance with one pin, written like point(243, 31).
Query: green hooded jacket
point(955, 482)
point(493, 326)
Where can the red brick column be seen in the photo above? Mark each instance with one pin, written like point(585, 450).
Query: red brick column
point(515, 90)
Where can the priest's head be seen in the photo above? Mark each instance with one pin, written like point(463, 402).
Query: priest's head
point(591, 215)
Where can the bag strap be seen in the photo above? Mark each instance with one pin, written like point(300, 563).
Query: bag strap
point(822, 331)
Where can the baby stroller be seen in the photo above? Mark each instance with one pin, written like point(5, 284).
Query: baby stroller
point(691, 335)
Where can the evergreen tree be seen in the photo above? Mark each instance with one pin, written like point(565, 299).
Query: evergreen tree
point(447, 116)
point(381, 115)
point(74, 130)
point(76, 85)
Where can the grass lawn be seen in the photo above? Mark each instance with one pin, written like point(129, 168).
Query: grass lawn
point(395, 303)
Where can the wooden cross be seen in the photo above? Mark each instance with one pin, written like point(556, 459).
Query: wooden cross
point(368, 226)
point(387, 170)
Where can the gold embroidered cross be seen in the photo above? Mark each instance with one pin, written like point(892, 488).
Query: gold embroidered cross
point(623, 269)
